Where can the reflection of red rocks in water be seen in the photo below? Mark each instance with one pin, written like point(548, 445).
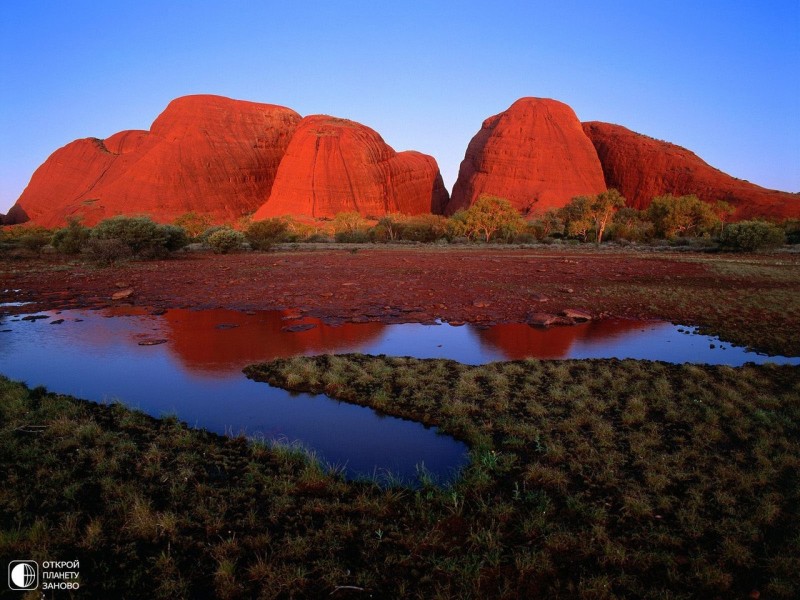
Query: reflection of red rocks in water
point(224, 341)
point(517, 340)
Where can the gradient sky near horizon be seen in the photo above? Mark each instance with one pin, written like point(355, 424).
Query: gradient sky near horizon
point(721, 78)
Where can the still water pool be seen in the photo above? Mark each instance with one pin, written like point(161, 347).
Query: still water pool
point(189, 363)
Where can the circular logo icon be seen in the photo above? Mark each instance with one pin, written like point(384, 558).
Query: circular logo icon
point(23, 575)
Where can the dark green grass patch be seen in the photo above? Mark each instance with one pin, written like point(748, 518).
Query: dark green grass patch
point(603, 478)
point(589, 479)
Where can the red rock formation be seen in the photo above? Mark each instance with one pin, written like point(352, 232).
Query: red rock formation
point(206, 154)
point(518, 341)
point(534, 154)
point(335, 165)
point(223, 341)
point(641, 168)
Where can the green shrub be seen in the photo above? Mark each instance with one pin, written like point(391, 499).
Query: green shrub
point(193, 224)
point(748, 236)
point(546, 225)
point(631, 225)
point(350, 227)
point(207, 233)
point(144, 237)
point(490, 217)
point(357, 236)
point(263, 234)
point(225, 240)
point(176, 237)
point(424, 228)
point(682, 216)
point(792, 229)
point(72, 238)
point(34, 238)
point(107, 251)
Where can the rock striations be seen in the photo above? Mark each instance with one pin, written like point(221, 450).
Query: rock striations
point(535, 154)
point(641, 168)
point(206, 154)
point(335, 165)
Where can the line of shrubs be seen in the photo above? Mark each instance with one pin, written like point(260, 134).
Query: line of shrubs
point(491, 219)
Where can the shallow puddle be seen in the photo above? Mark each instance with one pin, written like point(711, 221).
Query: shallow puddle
point(189, 363)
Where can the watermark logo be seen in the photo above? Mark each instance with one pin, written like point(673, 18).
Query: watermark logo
point(23, 575)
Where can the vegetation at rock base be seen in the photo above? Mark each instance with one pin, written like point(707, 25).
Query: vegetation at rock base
point(71, 239)
point(682, 216)
point(588, 479)
point(144, 237)
point(225, 240)
point(262, 235)
point(193, 224)
point(748, 236)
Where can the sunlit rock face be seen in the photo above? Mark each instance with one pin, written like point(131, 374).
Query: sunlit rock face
point(206, 154)
point(534, 154)
point(335, 165)
point(642, 168)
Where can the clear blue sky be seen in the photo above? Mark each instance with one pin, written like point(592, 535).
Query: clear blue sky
point(721, 78)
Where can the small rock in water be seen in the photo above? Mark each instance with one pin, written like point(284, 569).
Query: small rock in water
point(57, 322)
point(577, 315)
point(540, 319)
point(295, 328)
point(152, 342)
point(32, 318)
point(226, 326)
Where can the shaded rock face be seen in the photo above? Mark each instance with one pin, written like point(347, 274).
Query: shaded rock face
point(335, 165)
point(535, 154)
point(642, 168)
point(207, 154)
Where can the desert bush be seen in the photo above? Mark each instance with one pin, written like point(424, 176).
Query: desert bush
point(792, 229)
point(631, 225)
point(457, 225)
point(72, 238)
point(491, 218)
point(546, 225)
point(350, 227)
point(207, 233)
point(577, 217)
point(357, 236)
point(423, 228)
point(682, 216)
point(193, 224)
point(176, 237)
point(389, 227)
point(263, 234)
point(748, 236)
point(144, 237)
point(225, 240)
point(107, 251)
point(348, 222)
point(33, 238)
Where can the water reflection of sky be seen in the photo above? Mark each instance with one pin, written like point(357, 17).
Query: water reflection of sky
point(196, 373)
